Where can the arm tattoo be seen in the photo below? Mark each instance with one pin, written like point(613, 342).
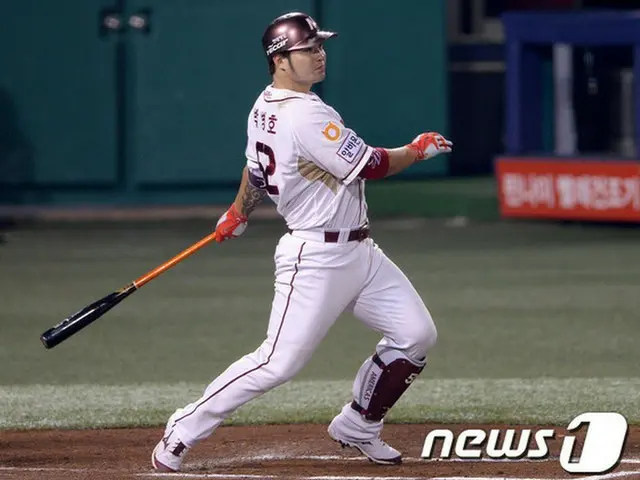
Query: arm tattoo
point(251, 198)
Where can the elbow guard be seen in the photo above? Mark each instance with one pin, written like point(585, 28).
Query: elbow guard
point(377, 166)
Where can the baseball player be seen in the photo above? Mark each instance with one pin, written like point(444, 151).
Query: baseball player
point(302, 155)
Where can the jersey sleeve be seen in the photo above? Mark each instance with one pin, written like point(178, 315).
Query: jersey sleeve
point(254, 171)
point(322, 139)
point(250, 150)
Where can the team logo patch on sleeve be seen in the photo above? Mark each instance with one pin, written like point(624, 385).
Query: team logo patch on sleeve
point(331, 132)
point(351, 148)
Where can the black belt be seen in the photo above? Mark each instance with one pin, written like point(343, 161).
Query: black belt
point(354, 235)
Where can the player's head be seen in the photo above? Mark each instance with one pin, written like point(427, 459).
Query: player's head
point(293, 46)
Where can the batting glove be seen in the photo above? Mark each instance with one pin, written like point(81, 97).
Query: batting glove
point(428, 145)
point(230, 225)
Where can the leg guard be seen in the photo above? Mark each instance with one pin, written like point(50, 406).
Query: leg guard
point(381, 381)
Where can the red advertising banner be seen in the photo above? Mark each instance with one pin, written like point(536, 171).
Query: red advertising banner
point(570, 189)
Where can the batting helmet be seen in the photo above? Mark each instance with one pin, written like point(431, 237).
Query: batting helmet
point(292, 31)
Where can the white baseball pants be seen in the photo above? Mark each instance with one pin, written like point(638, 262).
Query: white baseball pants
point(314, 283)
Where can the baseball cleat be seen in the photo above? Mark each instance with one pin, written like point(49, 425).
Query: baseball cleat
point(168, 454)
point(375, 449)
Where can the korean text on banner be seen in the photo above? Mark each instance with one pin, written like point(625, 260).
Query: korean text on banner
point(571, 189)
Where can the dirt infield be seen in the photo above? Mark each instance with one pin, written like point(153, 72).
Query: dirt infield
point(272, 451)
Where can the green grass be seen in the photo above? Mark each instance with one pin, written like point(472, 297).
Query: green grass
point(534, 401)
point(474, 197)
point(534, 305)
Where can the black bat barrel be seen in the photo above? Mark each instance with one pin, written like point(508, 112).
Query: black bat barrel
point(76, 322)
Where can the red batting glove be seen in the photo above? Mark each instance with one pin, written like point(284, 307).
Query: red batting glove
point(231, 224)
point(428, 145)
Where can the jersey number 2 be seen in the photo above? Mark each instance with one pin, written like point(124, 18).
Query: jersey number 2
point(270, 169)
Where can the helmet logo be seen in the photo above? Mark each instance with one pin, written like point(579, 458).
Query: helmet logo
point(277, 43)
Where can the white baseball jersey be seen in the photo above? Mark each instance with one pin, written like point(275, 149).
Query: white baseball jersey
point(300, 151)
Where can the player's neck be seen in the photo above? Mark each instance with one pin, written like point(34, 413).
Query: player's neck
point(289, 84)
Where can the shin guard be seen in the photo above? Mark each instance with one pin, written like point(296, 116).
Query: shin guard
point(381, 381)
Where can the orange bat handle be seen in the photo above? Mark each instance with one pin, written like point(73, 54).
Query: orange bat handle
point(147, 277)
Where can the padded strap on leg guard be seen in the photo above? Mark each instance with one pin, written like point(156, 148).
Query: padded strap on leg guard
point(381, 381)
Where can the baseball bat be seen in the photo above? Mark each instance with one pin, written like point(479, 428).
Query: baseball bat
point(89, 314)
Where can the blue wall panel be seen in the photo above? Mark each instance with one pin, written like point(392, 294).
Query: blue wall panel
point(159, 115)
point(57, 94)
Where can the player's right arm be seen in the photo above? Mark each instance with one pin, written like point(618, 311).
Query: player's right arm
point(385, 162)
point(323, 139)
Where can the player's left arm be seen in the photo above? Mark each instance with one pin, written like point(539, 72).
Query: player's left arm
point(234, 221)
point(385, 162)
point(250, 194)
